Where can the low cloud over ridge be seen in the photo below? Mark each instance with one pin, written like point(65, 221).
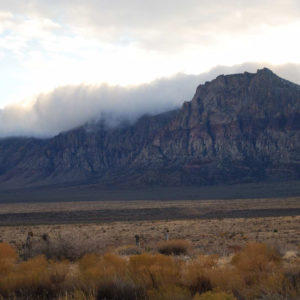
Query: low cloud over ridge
point(70, 106)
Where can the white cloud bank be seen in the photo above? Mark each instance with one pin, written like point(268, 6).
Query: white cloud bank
point(70, 106)
point(45, 44)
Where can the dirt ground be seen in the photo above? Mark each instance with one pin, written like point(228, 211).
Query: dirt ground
point(113, 211)
point(214, 226)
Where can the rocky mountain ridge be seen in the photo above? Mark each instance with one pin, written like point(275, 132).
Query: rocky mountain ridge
point(237, 128)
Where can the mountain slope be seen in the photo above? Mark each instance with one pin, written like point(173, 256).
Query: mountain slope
point(237, 128)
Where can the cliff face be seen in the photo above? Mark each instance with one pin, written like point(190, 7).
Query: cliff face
point(237, 128)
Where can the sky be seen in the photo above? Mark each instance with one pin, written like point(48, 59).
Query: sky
point(80, 58)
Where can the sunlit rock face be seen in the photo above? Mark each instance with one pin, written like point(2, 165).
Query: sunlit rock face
point(237, 128)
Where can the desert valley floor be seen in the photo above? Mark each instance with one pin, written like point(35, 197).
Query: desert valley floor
point(213, 226)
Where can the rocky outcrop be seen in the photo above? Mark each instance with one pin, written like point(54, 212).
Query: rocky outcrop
point(237, 128)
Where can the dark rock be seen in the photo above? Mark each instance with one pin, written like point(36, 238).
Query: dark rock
point(237, 128)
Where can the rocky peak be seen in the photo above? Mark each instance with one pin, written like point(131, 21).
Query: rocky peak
point(265, 72)
point(239, 81)
point(237, 128)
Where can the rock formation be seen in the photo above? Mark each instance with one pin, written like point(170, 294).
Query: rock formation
point(237, 128)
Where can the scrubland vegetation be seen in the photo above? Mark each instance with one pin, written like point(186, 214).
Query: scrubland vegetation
point(206, 259)
point(257, 271)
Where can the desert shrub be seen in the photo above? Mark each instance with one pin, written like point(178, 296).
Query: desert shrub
point(106, 277)
point(103, 275)
point(214, 296)
point(174, 247)
point(128, 250)
point(90, 272)
point(282, 284)
point(7, 252)
point(29, 279)
point(119, 288)
point(200, 284)
point(68, 245)
point(88, 261)
point(196, 274)
point(151, 271)
point(272, 297)
point(226, 278)
point(114, 262)
point(169, 292)
point(8, 257)
point(256, 257)
point(292, 280)
point(77, 295)
point(255, 269)
point(253, 273)
point(60, 275)
point(36, 278)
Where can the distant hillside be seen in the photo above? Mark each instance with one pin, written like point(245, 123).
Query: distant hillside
point(237, 128)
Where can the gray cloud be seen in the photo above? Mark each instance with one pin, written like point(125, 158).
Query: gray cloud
point(70, 106)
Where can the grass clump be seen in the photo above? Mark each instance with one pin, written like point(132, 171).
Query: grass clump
point(128, 250)
point(174, 247)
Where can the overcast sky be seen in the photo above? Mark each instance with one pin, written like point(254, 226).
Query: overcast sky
point(48, 44)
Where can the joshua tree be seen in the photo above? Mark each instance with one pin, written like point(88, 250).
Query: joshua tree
point(166, 234)
point(28, 245)
point(137, 240)
point(46, 239)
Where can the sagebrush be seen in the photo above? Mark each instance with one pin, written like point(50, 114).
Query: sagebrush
point(255, 272)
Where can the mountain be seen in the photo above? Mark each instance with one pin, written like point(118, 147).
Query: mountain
point(237, 128)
